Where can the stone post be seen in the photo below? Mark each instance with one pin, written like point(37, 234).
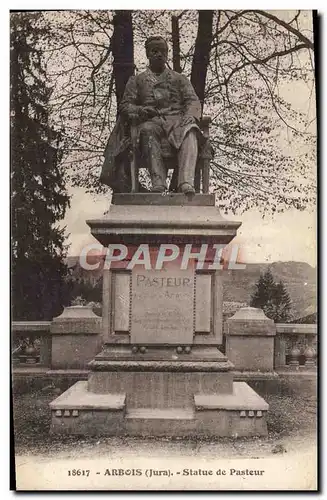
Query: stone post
point(280, 351)
point(250, 340)
point(75, 338)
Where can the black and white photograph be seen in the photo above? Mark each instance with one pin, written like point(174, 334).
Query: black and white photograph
point(163, 220)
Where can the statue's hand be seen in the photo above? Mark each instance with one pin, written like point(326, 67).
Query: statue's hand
point(133, 117)
point(147, 112)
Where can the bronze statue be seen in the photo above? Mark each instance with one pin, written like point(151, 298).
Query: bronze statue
point(158, 105)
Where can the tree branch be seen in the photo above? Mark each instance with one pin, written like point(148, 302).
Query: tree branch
point(288, 27)
point(265, 59)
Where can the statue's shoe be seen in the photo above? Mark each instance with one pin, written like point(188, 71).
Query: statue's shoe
point(158, 189)
point(186, 188)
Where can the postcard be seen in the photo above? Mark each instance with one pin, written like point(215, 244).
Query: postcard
point(163, 200)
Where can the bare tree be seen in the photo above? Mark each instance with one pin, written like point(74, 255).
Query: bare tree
point(122, 50)
point(201, 55)
point(245, 66)
point(176, 43)
point(255, 57)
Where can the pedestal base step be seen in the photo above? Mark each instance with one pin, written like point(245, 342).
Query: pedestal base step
point(158, 422)
point(77, 397)
point(158, 413)
point(243, 398)
point(242, 413)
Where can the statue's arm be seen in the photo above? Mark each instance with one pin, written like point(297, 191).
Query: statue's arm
point(128, 105)
point(192, 105)
point(130, 108)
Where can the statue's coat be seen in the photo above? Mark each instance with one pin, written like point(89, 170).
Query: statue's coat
point(173, 95)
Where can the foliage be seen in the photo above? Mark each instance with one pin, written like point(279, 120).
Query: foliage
point(258, 62)
point(39, 196)
point(82, 291)
point(272, 297)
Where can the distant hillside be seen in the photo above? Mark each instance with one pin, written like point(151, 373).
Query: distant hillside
point(298, 277)
point(308, 320)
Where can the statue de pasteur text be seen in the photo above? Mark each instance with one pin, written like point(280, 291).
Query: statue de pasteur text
point(159, 103)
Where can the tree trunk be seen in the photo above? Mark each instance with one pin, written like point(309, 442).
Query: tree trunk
point(202, 53)
point(176, 47)
point(122, 50)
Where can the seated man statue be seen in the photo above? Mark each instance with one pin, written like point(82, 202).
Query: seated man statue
point(159, 103)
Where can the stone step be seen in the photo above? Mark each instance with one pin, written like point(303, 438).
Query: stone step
point(143, 365)
point(179, 199)
point(243, 398)
point(160, 353)
point(158, 413)
point(77, 397)
point(239, 413)
point(160, 422)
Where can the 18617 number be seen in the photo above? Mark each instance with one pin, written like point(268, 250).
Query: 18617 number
point(79, 472)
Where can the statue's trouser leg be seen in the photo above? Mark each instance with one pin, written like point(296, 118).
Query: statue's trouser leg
point(150, 141)
point(187, 158)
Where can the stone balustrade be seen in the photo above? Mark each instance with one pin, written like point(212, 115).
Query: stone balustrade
point(69, 341)
point(42, 343)
point(296, 346)
point(31, 343)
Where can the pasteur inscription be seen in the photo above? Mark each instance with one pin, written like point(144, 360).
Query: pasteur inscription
point(162, 307)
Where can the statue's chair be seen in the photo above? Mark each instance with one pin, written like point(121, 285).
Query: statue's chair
point(201, 179)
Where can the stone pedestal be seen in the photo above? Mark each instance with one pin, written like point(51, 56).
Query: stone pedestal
point(250, 340)
point(160, 371)
point(75, 338)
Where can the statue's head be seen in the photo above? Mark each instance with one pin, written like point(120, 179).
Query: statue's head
point(156, 51)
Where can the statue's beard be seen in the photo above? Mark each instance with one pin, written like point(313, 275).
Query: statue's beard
point(157, 64)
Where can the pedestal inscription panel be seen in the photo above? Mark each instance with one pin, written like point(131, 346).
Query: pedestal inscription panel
point(162, 306)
